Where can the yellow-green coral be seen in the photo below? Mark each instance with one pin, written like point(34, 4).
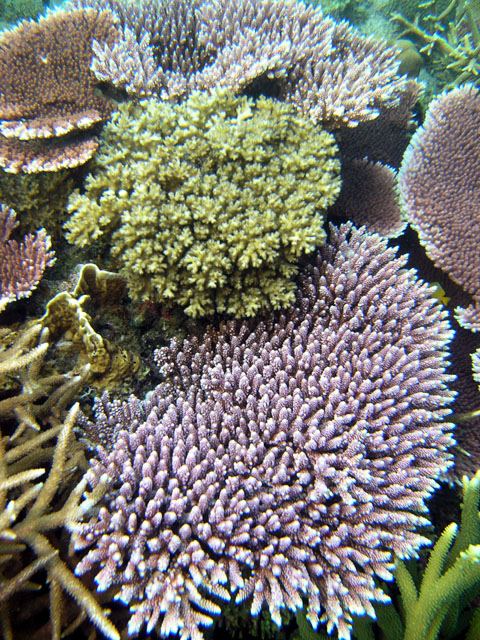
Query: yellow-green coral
point(210, 203)
point(40, 199)
point(68, 323)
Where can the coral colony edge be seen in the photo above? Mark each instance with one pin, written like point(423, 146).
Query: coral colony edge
point(239, 320)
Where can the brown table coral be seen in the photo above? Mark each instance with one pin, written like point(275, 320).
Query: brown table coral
point(49, 105)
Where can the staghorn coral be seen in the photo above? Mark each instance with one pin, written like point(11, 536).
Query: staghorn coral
point(439, 189)
point(45, 362)
point(327, 69)
point(21, 265)
point(412, 8)
point(49, 105)
point(31, 390)
point(281, 459)
point(436, 598)
point(28, 517)
point(450, 38)
point(211, 203)
point(439, 605)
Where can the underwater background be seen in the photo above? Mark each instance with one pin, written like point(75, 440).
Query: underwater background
point(240, 319)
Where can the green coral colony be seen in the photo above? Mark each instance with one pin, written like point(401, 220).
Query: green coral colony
point(210, 203)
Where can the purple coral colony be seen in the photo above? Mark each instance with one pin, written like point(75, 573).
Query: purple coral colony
point(275, 443)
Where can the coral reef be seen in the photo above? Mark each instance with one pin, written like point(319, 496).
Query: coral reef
point(49, 105)
point(29, 392)
point(449, 35)
point(451, 579)
point(21, 265)
point(414, 8)
point(368, 197)
point(439, 188)
point(40, 199)
point(71, 327)
point(34, 398)
point(385, 138)
point(46, 362)
point(438, 602)
point(279, 459)
point(274, 466)
point(211, 203)
point(327, 69)
point(28, 516)
point(104, 287)
point(464, 343)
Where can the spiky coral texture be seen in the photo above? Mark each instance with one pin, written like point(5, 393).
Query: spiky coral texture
point(281, 459)
point(21, 264)
point(326, 69)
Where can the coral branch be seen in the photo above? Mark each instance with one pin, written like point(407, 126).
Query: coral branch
point(21, 265)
